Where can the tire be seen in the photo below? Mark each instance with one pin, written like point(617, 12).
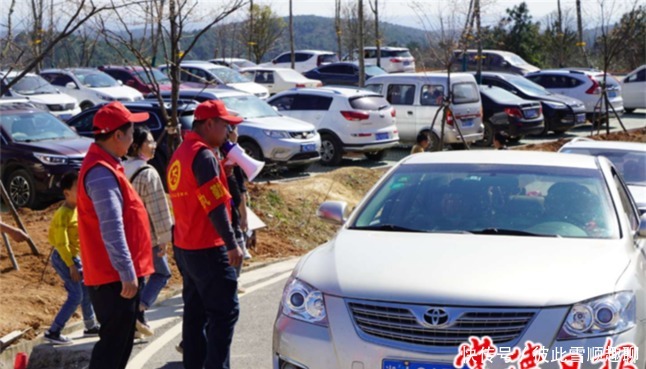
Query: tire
point(21, 189)
point(376, 155)
point(515, 138)
point(629, 110)
point(252, 149)
point(487, 138)
point(331, 150)
point(434, 140)
point(86, 105)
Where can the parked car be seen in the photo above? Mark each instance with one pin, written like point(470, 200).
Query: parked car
point(279, 79)
point(492, 60)
point(629, 158)
point(561, 112)
point(582, 85)
point(393, 59)
point(422, 265)
point(233, 63)
point(41, 94)
point(304, 60)
point(264, 134)
point(90, 86)
point(505, 112)
point(36, 150)
point(417, 98)
point(633, 88)
point(349, 120)
point(342, 73)
point(82, 123)
point(217, 75)
point(137, 77)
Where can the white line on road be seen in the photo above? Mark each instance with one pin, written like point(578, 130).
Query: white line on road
point(142, 357)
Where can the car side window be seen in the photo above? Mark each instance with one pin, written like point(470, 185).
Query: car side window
point(626, 203)
point(83, 125)
point(299, 57)
point(284, 103)
point(572, 82)
point(637, 77)
point(265, 77)
point(431, 95)
point(312, 102)
point(334, 69)
point(401, 94)
point(285, 58)
point(60, 79)
point(493, 60)
point(119, 75)
point(377, 87)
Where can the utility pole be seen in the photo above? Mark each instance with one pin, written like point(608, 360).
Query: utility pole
point(375, 11)
point(579, 27)
point(337, 25)
point(362, 65)
point(476, 9)
point(250, 41)
point(291, 34)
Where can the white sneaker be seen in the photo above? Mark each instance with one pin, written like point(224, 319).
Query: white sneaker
point(247, 255)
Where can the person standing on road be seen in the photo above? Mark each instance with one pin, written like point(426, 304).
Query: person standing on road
point(114, 232)
point(421, 145)
point(204, 242)
point(150, 188)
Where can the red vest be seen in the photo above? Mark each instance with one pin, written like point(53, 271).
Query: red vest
point(192, 203)
point(97, 268)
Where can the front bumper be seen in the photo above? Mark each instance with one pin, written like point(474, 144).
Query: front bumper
point(525, 127)
point(311, 346)
point(451, 135)
point(291, 152)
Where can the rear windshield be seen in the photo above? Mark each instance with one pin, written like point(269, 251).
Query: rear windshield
point(498, 94)
point(466, 92)
point(374, 70)
point(396, 53)
point(369, 103)
point(630, 164)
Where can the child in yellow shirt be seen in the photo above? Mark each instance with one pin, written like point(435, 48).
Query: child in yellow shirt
point(63, 235)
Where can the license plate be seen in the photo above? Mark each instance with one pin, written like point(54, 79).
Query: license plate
point(382, 136)
point(612, 94)
point(580, 118)
point(531, 113)
point(308, 148)
point(467, 123)
point(401, 364)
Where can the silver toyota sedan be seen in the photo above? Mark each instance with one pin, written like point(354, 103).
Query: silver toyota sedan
point(454, 247)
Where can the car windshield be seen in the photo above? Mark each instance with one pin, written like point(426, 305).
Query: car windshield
point(95, 79)
point(499, 95)
point(492, 199)
point(249, 107)
point(227, 75)
point(629, 163)
point(244, 63)
point(160, 77)
point(527, 86)
point(33, 85)
point(373, 70)
point(32, 127)
point(516, 60)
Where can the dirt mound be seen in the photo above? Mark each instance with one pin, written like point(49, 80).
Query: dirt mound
point(633, 136)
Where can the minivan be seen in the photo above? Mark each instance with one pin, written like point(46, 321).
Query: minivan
point(417, 98)
point(492, 60)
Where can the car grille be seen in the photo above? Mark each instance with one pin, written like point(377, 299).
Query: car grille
point(302, 135)
point(60, 107)
point(76, 162)
point(410, 324)
point(305, 156)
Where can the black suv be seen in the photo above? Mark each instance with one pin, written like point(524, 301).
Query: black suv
point(36, 149)
point(561, 113)
point(83, 125)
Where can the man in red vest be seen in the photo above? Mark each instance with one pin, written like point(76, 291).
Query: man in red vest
point(205, 247)
point(114, 235)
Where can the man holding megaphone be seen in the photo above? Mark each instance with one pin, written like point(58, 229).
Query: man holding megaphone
point(205, 247)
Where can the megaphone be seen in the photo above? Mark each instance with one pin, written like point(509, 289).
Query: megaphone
point(249, 165)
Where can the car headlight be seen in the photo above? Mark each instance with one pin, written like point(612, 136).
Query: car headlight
point(303, 302)
point(555, 105)
point(277, 134)
point(602, 316)
point(104, 97)
point(51, 159)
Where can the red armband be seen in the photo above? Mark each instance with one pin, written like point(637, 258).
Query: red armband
point(212, 194)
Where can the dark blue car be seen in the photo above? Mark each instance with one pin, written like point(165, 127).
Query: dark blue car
point(342, 73)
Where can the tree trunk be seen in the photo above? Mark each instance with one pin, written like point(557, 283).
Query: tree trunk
point(291, 34)
point(337, 24)
point(362, 68)
point(476, 9)
point(579, 26)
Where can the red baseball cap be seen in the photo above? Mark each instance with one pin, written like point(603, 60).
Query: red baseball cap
point(215, 109)
point(113, 116)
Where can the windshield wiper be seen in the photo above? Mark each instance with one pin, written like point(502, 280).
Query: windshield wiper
point(509, 232)
point(388, 227)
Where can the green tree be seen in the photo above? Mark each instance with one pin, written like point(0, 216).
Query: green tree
point(522, 34)
point(267, 30)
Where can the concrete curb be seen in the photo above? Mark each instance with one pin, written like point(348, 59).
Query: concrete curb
point(7, 356)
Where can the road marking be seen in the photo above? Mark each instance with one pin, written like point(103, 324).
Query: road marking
point(139, 361)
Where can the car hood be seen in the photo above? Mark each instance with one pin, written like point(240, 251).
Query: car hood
point(75, 147)
point(528, 68)
point(118, 92)
point(562, 99)
point(461, 269)
point(249, 87)
point(51, 99)
point(280, 123)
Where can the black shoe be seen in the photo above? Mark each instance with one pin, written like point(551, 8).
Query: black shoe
point(180, 347)
point(92, 332)
point(57, 338)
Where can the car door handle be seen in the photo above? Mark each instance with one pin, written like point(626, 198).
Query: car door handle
point(409, 112)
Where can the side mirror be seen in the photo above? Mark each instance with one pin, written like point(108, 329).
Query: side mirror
point(333, 212)
point(71, 85)
point(119, 82)
point(641, 231)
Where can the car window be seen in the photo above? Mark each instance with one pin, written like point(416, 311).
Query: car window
point(95, 79)
point(626, 203)
point(371, 54)
point(494, 60)
point(264, 77)
point(527, 86)
point(432, 95)
point(299, 57)
point(640, 76)
point(249, 107)
point(571, 82)
point(464, 93)
point(333, 69)
point(32, 127)
point(488, 198)
point(228, 75)
point(312, 102)
point(284, 102)
point(160, 77)
point(369, 103)
point(401, 94)
point(373, 70)
point(119, 75)
point(59, 79)
point(83, 123)
point(495, 82)
point(285, 58)
point(376, 87)
point(33, 85)
point(499, 95)
point(630, 164)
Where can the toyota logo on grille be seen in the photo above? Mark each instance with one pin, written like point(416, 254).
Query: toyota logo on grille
point(436, 317)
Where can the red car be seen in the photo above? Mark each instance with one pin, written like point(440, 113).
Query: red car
point(137, 78)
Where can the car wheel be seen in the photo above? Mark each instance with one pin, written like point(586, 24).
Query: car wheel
point(487, 138)
point(376, 155)
point(434, 140)
point(21, 189)
point(629, 111)
point(252, 149)
point(86, 105)
point(331, 150)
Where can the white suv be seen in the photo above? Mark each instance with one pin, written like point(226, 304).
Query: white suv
point(393, 59)
point(305, 60)
point(349, 120)
point(584, 85)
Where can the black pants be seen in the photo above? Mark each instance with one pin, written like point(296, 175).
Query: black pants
point(210, 307)
point(117, 318)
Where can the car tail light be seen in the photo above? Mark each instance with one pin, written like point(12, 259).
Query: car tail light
point(300, 85)
point(396, 60)
point(393, 112)
point(595, 89)
point(449, 117)
point(514, 112)
point(355, 116)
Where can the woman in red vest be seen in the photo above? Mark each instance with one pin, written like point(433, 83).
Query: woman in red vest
point(205, 247)
point(114, 232)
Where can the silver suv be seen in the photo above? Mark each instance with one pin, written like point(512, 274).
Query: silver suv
point(535, 246)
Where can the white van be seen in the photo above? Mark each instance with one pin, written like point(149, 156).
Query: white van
point(417, 98)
